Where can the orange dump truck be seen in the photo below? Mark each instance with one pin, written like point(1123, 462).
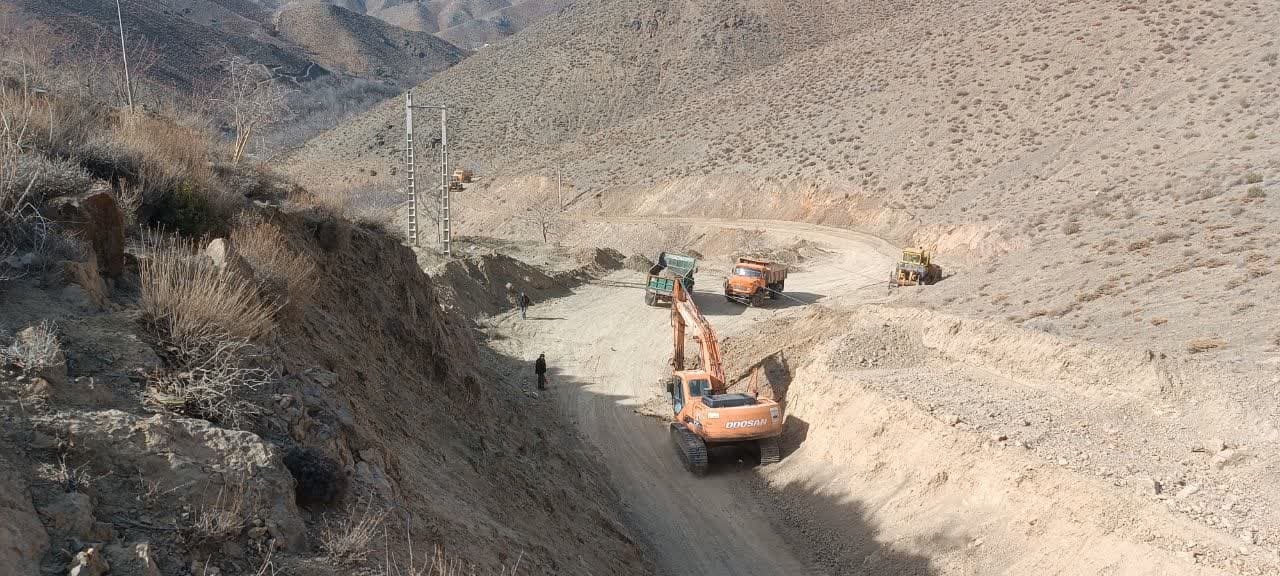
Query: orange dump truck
point(752, 280)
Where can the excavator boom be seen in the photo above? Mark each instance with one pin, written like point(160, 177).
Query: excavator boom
point(686, 315)
point(705, 414)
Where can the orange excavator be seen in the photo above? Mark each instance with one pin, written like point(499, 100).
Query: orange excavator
point(705, 415)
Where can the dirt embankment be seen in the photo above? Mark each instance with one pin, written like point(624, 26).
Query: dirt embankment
point(375, 405)
point(970, 438)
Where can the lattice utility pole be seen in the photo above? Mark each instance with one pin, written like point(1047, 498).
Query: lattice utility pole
point(446, 193)
point(444, 219)
point(412, 231)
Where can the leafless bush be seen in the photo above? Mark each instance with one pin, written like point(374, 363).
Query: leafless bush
point(251, 99)
point(1255, 192)
point(350, 539)
point(190, 303)
point(211, 382)
point(36, 348)
point(38, 177)
point(1070, 228)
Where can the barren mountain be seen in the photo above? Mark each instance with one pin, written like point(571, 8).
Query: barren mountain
point(182, 43)
point(1094, 169)
point(346, 41)
point(467, 23)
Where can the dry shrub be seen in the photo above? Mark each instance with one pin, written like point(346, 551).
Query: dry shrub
point(1197, 345)
point(166, 153)
point(207, 318)
point(35, 349)
point(284, 276)
point(369, 205)
point(350, 540)
point(190, 303)
point(221, 519)
point(210, 383)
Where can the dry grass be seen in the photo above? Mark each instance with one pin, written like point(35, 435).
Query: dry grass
point(35, 349)
point(1198, 345)
point(351, 539)
point(70, 478)
point(284, 276)
point(190, 303)
point(221, 519)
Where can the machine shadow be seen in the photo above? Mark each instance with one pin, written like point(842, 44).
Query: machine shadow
point(830, 533)
point(715, 305)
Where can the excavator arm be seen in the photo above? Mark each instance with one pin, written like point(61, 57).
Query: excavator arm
point(685, 315)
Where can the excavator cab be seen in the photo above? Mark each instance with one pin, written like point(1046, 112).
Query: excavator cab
point(686, 388)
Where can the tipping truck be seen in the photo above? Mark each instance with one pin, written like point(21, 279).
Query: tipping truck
point(752, 280)
point(705, 415)
point(671, 268)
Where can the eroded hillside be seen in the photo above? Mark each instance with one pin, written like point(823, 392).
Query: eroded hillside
point(1128, 148)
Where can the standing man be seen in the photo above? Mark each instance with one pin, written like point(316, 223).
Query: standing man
point(540, 368)
point(524, 302)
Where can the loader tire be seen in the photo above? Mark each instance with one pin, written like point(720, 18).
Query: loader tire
point(770, 453)
point(692, 450)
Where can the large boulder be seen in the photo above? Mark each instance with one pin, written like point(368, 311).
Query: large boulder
point(23, 540)
point(196, 461)
point(100, 222)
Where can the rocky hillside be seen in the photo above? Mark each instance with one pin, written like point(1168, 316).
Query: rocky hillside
point(1130, 148)
point(205, 370)
point(352, 43)
point(182, 43)
point(469, 24)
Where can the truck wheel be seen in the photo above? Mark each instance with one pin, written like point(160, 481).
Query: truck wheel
point(651, 299)
point(775, 291)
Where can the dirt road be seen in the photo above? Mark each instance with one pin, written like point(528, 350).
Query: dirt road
point(607, 352)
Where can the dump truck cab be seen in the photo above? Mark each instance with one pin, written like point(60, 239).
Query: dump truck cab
point(751, 280)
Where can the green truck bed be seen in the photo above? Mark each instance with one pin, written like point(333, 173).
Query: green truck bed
point(664, 274)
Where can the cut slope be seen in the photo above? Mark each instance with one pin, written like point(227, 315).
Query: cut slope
point(1128, 147)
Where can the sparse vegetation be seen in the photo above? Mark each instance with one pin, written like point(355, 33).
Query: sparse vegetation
point(190, 303)
point(36, 349)
point(1255, 192)
point(222, 518)
point(1197, 345)
point(350, 539)
point(283, 275)
point(207, 318)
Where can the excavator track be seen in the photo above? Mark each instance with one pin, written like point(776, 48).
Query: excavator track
point(693, 451)
point(770, 453)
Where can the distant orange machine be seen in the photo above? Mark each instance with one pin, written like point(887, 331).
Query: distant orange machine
point(705, 416)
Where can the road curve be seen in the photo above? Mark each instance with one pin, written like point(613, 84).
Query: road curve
point(608, 351)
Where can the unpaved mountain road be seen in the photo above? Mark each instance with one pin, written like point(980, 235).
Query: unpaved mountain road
point(607, 351)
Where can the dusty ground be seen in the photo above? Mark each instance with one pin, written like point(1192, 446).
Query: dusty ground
point(918, 442)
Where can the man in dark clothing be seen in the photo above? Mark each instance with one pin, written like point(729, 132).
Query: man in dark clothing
point(524, 304)
point(540, 368)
